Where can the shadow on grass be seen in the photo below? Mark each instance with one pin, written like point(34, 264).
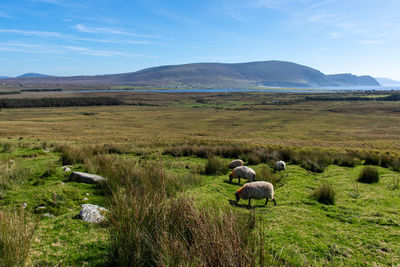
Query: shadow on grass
point(233, 183)
point(243, 206)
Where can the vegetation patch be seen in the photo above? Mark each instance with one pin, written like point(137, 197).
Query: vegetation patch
point(368, 175)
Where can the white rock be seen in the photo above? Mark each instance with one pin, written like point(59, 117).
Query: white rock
point(92, 213)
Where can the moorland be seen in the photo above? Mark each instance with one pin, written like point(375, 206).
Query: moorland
point(170, 202)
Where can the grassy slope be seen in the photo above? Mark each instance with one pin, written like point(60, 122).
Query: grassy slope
point(62, 239)
point(359, 228)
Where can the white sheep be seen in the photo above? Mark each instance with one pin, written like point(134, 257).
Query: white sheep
point(242, 172)
point(235, 163)
point(256, 190)
point(280, 166)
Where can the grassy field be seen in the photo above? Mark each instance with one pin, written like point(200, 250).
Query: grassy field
point(360, 228)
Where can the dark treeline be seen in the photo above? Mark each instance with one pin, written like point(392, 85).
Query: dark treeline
point(42, 90)
point(10, 93)
point(391, 97)
point(59, 102)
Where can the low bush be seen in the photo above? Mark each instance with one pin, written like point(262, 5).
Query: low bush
point(215, 166)
point(368, 175)
point(325, 194)
point(16, 232)
point(265, 174)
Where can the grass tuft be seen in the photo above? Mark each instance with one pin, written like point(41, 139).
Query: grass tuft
point(368, 175)
point(215, 166)
point(16, 232)
point(325, 194)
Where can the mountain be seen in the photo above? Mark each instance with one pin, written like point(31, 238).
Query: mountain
point(346, 79)
point(212, 75)
point(32, 75)
point(4, 77)
point(387, 81)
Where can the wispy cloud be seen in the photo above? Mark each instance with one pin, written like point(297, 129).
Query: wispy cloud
point(46, 34)
point(53, 2)
point(5, 15)
point(107, 30)
point(60, 49)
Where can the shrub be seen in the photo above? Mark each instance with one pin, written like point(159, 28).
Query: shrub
point(368, 175)
point(325, 194)
point(16, 232)
point(215, 166)
point(253, 158)
point(265, 174)
point(371, 159)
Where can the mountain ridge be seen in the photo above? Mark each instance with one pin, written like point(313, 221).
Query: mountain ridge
point(213, 75)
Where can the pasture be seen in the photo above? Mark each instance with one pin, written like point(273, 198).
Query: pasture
point(154, 151)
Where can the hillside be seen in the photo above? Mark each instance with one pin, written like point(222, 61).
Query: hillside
point(213, 75)
point(387, 81)
point(32, 75)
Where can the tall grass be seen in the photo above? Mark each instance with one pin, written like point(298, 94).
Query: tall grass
point(325, 193)
point(150, 226)
point(16, 232)
point(368, 175)
point(216, 166)
point(12, 174)
point(265, 174)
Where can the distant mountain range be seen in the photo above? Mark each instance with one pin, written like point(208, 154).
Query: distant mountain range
point(26, 75)
point(210, 75)
point(387, 81)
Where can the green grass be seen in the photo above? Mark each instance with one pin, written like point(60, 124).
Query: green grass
point(300, 230)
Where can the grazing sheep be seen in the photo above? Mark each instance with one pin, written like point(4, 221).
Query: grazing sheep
point(280, 166)
point(235, 163)
point(242, 172)
point(256, 190)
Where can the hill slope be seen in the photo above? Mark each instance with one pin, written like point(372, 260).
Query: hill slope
point(214, 75)
point(387, 81)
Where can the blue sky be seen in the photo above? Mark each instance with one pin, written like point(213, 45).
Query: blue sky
point(69, 37)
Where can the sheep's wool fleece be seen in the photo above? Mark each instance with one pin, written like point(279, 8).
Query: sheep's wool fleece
point(235, 163)
point(244, 172)
point(280, 165)
point(257, 190)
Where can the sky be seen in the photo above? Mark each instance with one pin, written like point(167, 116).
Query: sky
point(88, 37)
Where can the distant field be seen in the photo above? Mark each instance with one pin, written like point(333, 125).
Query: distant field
point(245, 118)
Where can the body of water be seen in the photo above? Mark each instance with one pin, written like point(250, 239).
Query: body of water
point(333, 89)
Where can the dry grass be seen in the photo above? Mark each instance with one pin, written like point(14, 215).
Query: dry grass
point(16, 232)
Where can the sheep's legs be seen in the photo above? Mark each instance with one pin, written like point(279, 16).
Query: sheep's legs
point(274, 201)
point(249, 202)
point(266, 201)
point(239, 179)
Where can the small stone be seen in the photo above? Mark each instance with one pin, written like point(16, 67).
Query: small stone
point(49, 215)
point(87, 194)
point(92, 213)
point(85, 199)
point(41, 208)
point(24, 205)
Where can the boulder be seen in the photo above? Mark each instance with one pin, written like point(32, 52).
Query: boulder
point(92, 213)
point(87, 178)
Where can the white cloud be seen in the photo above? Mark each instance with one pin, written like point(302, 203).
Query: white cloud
point(5, 15)
point(59, 49)
point(46, 34)
point(107, 30)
